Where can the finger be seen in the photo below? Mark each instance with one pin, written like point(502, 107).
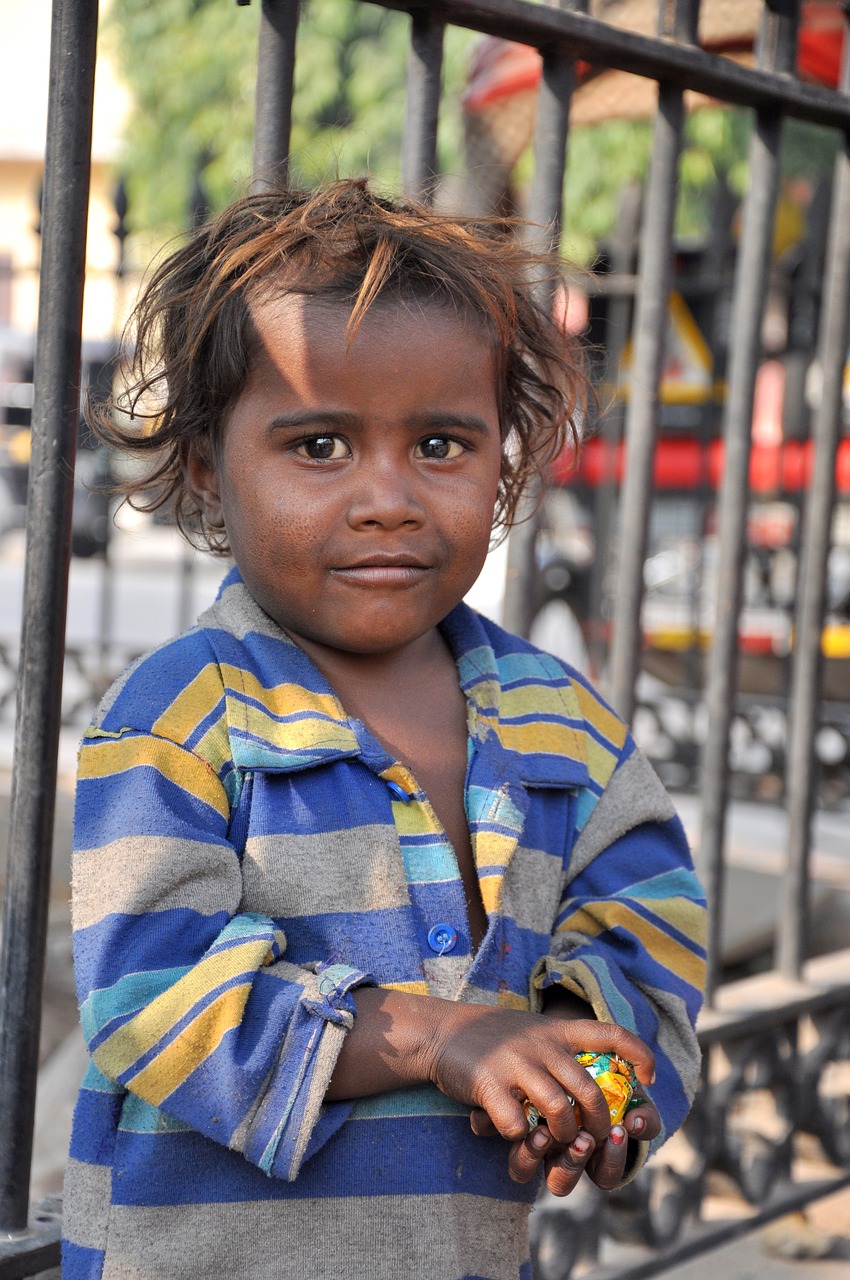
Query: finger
point(608, 1163)
point(554, 1102)
point(643, 1122)
point(525, 1157)
point(481, 1124)
point(506, 1114)
point(608, 1037)
point(565, 1167)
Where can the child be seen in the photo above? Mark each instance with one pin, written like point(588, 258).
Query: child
point(357, 873)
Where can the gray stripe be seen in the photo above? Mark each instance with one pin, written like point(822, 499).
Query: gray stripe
point(360, 1238)
point(137, 874)
point(355, 869)
point(85, 1204)
point(237, 611)
point(531, 890)
point(633, 796)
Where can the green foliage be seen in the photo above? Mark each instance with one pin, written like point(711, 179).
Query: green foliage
point(191, 67)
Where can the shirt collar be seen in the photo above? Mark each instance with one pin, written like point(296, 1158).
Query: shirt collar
point(283, 715)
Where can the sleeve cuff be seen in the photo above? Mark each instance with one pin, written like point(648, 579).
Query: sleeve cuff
point(283, 1124)
point(552, 971)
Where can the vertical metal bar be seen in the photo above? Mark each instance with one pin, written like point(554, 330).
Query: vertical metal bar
point(424, 76)
point(776, 52)
point(801, 769)
point(546, 202)
point(275, 75)
point(656, 259)
point(54, 438)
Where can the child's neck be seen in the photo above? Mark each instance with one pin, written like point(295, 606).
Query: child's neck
point(412, 702)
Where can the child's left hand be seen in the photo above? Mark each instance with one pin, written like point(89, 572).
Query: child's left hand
point(564, 1165)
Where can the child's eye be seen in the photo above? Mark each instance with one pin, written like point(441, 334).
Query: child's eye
point(439, 447)
point(323, 448)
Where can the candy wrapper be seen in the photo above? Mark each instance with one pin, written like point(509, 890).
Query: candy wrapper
point(615, 1077)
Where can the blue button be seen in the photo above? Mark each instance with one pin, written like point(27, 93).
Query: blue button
point(399, 792)
point(442, 938)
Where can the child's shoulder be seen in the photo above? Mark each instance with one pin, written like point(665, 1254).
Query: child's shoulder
point(188, 688)
point(522, 665)
point(147, 694)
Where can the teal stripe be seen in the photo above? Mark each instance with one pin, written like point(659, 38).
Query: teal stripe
point(429, 864)
point(586, 802)
point(138, 1116)
point(427, 1101)
point(128, 995)
point(672, 884)
point(95, 1081)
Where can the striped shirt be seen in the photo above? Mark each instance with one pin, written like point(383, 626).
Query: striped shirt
point(245, 855)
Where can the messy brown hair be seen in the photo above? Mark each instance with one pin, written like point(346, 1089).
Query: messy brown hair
point(192, 338)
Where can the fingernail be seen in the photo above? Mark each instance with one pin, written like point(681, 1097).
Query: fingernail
point(539, 1139)
point(638, 1125)
point(652, 1081)
point(617, 1135)
point(582, 1143)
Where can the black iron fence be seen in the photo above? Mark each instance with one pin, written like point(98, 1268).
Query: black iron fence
point(776, 1045)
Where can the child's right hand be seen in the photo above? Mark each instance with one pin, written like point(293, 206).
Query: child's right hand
point(495, 1059)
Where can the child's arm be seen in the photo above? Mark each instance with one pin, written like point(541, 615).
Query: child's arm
point(187, 1002)
point(630, 937)
point(490, 1059)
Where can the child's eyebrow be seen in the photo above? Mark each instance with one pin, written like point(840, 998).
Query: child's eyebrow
point(430, 420)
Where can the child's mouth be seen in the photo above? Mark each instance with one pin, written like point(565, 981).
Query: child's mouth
point(383, 570)
point(382, 574)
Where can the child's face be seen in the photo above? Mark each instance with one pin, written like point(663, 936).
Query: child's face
point(357, 482)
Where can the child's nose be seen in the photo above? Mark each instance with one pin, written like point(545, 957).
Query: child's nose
point(385, 496)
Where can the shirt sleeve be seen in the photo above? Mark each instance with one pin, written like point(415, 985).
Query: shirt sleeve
point(630, 932)
point(187, 1002)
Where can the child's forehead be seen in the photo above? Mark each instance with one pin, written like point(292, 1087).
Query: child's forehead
point(298, 310)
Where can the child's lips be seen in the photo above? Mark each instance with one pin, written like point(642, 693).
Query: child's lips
point(383, 571)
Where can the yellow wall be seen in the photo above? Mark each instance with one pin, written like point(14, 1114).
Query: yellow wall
point(24, 70)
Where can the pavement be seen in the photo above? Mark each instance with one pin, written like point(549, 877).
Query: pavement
point(142, 607)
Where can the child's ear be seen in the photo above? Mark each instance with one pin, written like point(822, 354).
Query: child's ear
point(201, 479)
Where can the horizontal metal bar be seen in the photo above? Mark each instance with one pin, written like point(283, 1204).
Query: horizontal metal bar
point(702, 1240)
point(604, 45)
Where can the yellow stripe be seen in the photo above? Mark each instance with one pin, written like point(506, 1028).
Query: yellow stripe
point(214, 746)
point(409, 988)
point(509, 1000)
point(490, 887)
point(191, 705)
point(107, 757)
point(553, 739)
point(137, 1037)
point(600, 762)
point(609, 725)
point(415, 819)
point(664, 950)
point(686, 916)
point(539, 699)
point(192, 1047)
point(282, 699)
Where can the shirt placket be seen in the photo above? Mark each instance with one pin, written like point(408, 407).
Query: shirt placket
point(437, 896)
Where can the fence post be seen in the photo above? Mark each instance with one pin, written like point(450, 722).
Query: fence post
point(777, 52)
point(804, 708)
point(275, 74)
point(655, 268)
point(54, 439)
